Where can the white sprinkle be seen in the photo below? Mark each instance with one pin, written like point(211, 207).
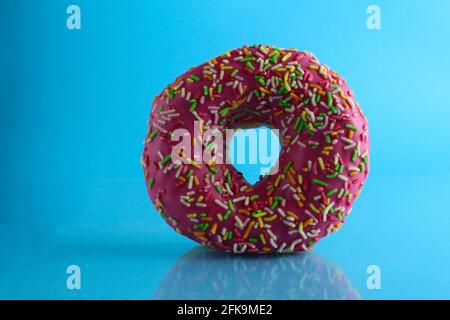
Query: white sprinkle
point(221, 204)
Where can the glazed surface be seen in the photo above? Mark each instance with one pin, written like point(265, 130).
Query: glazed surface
point(323, 163)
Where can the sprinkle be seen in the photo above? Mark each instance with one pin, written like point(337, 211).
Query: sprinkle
point(320, 182)
point(351, 127)
point(194, 77)
point(221, 204)
point(154, 134)
point(166, 159)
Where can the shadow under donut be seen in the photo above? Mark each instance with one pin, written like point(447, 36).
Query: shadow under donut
point(205, 273)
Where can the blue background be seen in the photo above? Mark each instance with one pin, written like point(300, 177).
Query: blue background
point(73, 112)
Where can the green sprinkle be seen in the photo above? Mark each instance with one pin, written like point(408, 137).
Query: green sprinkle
point(154, 134)
point(362, 167)
point(288, 166)
point(227, 214)
point(354, 155)
point(202, 226)
point(193, 103)
point(274, 204)
point(254, 197)
point(249, 64)
point(235, 72)
point(213, 169)
point(297, 123)
point(151, 183)
point(351, 127)
point(205, 90)
point(224, 111)
point(166, 159)
point(219, 88)
point(230, 204)
point(229, 178)
point(267, 66)
point(194, 77)
point(364, 159)
point(331, 192)
point(320, 182)
point(333, 110)
point(330, 99)
point(248, 59)
point(253, 239)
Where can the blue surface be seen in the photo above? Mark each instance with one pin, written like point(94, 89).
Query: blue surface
point(73, 112)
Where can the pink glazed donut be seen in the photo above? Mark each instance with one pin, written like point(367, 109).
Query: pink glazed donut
point(323, 163)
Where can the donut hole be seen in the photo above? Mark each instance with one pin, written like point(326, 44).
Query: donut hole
point(254, 150)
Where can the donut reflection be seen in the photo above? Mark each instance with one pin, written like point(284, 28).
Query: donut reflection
point(209, 274)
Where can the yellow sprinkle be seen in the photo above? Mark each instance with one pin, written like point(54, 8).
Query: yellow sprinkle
point(321, 164)
point(313, 208)
point(286, 82)
point(260, 222)
point(271, 218)
point(263, 240)
point(286, 56)
point(279, 179)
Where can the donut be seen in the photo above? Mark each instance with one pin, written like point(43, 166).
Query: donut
point(322, 166)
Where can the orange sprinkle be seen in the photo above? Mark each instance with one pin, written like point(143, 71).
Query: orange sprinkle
point(214, 228)
point(249, 228)
point(350, 134)
point(293, 95)
point(292, 214)
point(308, 222)
point(243, 211)
point(291, 178)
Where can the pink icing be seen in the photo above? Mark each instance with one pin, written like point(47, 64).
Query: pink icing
point(323, 163)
